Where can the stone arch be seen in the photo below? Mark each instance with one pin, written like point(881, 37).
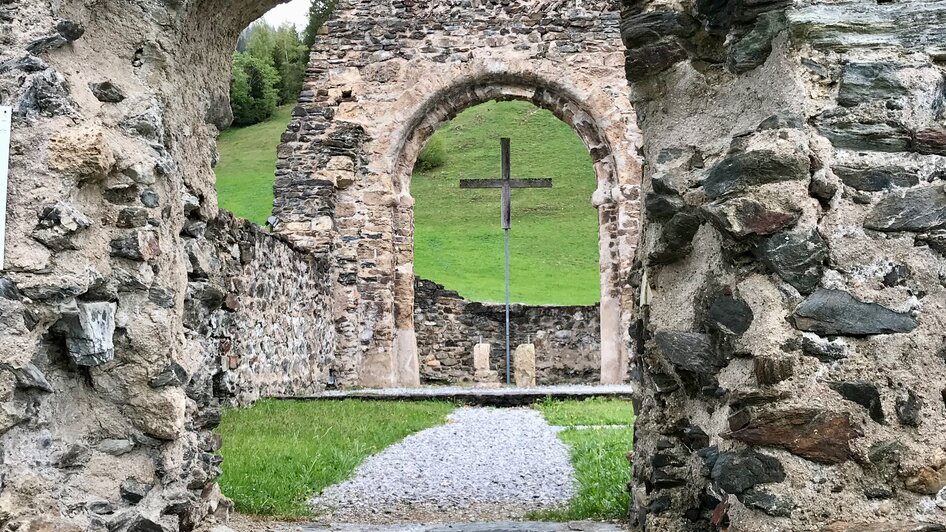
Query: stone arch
point(367, 108)
point(567, 101)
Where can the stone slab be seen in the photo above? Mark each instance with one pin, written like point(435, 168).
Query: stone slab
point(503, 396)
point(481, 353)
point(523, 362)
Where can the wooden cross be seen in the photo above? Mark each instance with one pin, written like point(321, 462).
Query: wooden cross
point(506, 183)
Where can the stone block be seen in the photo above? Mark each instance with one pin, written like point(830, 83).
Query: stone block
point(524, 365)
point(481, 354)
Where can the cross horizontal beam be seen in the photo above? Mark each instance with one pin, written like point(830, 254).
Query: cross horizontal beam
point(500, 183)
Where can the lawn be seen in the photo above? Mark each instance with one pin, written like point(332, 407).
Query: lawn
point(458, 241)
point(278, 454)
point(599, 456)
point(247, 167)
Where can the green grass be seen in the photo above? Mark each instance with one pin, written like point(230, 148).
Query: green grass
point(599, 456)
point(458, 240)
point(247, 167)
point(278, 454)
point(595, 411)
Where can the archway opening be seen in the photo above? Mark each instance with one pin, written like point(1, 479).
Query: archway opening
point(457, 235)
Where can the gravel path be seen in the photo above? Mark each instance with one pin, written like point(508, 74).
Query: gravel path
point(483, 464)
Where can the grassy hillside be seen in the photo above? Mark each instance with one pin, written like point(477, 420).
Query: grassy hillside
point(247, 167)
point(458, 238)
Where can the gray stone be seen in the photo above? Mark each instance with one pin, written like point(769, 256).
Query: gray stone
point(737, 472)
point(917, 209)
point(115, 447)
point(662, 207)
point(797, 257)
point(741, 170)
point(88, 329)
point(689, 351)
point(150, 198)
point(29, 377)
point(71, 31)
point(908, 407)
point(58, 224)
point(874, 179)
point(836, 312)
point(822, 349)
point(730, 315)
point(675, 238)
point(878, 493)
point(846, 130)
point(783, 120)
point(107, 92)
point(46, 95)
point(864, 82)
point(132, 217)
point(766, 503)
point(173, 375)
point(74, 455)
point(133, 490)
point(138, 246)
point(653, 58)
point(8, 289)
point(754, 48)
point(864, 394)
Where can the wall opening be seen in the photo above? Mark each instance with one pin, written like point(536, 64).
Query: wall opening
point(458, 245)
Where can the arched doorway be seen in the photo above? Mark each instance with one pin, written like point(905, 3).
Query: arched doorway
point(446, 104)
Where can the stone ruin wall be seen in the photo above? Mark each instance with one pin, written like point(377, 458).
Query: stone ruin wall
point(123, 289)
point(798, 423)
point(259, 309)
point(382, 78)
point(567, 338)
point(792, 268)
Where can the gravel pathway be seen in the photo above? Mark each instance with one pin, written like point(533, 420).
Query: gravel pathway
point(483, 464)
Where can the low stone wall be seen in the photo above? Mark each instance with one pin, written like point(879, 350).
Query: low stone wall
point(259, 309)
point(567, 339)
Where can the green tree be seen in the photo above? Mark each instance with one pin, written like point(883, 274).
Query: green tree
point(290, 58)
point(253, 89)
point(319, 12)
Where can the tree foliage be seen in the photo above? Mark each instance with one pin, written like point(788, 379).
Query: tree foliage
point(268, 70)
point(253, 89)
point(270, 63)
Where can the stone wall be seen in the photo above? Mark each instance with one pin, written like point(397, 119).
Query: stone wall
point(108, 400)
point(259, 309)
point(382, 78)
point(792, 271)
point(566, 338)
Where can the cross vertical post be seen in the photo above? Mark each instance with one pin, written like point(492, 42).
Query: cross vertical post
point(506, 183)
point(507, 225)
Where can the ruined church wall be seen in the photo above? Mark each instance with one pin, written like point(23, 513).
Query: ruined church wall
point(108, 398)
point(382, 77)
point(791, 270)
point(567, 338)
point(259, 309)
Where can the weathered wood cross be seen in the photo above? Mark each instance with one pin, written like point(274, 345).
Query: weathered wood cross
point(506, 183)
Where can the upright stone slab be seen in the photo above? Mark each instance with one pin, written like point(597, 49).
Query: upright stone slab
point(524, 365)
point(481, 357)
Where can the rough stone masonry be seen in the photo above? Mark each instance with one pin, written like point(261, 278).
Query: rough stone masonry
point(384, 76)
point(790, 279)
point(790, 347)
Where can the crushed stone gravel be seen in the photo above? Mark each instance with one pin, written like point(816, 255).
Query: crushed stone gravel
point(483, 464)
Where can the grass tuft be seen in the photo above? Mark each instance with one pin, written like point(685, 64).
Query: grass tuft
point(599, 456)
point(594, 411)
point(278, 454)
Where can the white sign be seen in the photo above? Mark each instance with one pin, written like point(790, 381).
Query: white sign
point(6, 116)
